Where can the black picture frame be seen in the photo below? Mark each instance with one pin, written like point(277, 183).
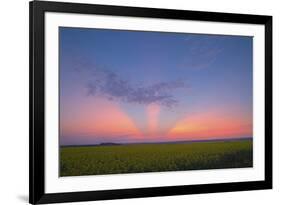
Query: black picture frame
point(37, 193)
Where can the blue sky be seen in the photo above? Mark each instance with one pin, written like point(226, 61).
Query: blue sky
point(182, 74)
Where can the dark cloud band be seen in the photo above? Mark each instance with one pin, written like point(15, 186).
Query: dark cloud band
point(108, 84)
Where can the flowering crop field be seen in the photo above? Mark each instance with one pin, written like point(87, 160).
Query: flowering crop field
point(139, 158)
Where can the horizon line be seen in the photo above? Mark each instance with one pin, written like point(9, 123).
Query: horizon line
point(157, 142)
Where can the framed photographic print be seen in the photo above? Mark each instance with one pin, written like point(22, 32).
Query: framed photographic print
point(140, 102)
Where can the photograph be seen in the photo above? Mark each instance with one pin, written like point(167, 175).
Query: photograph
point(133, 101)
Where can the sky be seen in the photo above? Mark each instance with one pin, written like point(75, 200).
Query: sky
point(135, 86)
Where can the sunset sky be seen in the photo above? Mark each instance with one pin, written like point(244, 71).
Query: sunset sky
point(132, 86)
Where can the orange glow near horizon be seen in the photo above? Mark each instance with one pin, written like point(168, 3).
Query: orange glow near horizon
point(103, 118)
point(211, 125)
